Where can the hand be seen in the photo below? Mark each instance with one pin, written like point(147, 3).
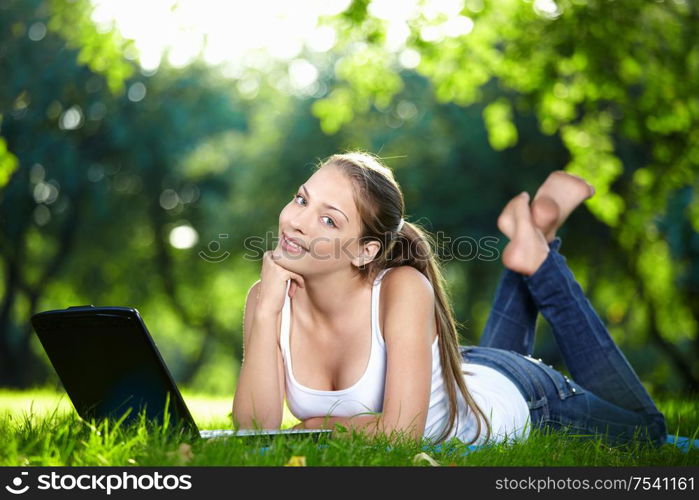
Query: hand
point(338, 425)
point(273, 283)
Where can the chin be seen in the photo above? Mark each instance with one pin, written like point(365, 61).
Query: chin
point(290, 258)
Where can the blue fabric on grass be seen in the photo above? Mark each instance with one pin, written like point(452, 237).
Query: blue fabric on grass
point(682, 442)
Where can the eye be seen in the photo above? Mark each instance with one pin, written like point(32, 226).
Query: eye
point(331, 221)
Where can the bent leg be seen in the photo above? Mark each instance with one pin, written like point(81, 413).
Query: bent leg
point(511, 323)
point(585, 413)
point(559, 403)
point(589, 352)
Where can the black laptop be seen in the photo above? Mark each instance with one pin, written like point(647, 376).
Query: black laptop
point(110, 368)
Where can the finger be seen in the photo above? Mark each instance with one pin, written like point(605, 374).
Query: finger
point(292, 288)
point(298, 279)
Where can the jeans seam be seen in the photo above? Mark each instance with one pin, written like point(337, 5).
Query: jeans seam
point(644, 409)
point(502, 316)
point(576, 303)
point(570, 423)
point(541, 402)
point(563, 387)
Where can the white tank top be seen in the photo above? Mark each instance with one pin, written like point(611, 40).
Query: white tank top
point(497, 395)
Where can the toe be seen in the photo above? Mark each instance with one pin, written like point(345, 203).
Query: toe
point(521, 206)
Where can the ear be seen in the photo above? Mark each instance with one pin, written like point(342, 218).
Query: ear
point(369, 251)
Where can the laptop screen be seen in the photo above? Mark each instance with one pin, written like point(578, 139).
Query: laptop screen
point(108, 363)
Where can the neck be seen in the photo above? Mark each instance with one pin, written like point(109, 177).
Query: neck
point(332, 298)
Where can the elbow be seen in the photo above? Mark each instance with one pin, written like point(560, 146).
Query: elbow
point(411, 430)
point(249, 420)
point(257, 424)
point(414, 433)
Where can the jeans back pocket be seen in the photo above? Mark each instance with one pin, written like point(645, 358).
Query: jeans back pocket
point(565, 387)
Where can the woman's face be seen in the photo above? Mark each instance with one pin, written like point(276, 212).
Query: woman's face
point(323, 218)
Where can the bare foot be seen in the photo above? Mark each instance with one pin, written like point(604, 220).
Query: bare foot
point(556, 198)
point(506, 219)
point(527, 248)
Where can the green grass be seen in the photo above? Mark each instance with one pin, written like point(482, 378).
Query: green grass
point(41, 428)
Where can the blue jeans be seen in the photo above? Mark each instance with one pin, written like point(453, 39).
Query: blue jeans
point(606, 398)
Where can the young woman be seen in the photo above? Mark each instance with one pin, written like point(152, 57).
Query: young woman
point(351, 323)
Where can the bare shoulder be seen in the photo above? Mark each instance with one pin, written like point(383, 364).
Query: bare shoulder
point(406, 283)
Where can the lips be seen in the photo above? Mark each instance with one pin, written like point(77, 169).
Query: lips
point(294, 242)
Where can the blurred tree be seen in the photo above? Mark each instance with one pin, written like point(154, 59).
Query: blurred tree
point(101, 50)
point(89, 153)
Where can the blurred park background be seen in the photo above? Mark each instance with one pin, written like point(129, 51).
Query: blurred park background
point(142, 142)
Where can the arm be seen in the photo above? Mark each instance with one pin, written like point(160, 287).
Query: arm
point(259, 396)
point(365, 423)
point(409, 329)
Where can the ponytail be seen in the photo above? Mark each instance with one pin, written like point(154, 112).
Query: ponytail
point(414, 247)
point(380, 203)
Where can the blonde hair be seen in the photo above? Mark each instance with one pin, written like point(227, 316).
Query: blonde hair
point(380, 203)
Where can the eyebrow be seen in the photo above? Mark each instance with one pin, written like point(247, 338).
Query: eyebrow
point(325, 204)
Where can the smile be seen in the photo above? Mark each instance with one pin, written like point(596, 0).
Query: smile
point(291, 246)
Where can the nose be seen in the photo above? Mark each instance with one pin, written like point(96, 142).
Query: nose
point(298, 222)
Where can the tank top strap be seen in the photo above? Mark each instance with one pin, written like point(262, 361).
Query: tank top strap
point(376, 292)
point(285, 322)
